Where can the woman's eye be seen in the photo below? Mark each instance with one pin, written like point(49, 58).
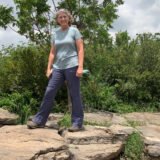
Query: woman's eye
point(63, 17)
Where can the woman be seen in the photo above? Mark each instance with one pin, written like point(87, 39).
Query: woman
point(65, 63)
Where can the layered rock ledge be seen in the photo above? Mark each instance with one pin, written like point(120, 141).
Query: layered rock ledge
point(95, 142)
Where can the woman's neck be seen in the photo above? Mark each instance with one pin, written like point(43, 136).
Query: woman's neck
point(64, 28)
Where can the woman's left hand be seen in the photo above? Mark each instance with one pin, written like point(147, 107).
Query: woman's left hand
point(79, 72)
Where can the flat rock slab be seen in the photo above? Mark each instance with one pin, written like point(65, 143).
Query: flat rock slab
point(94, 143)
point(105, 118)
point(145, 118)
point(100, 117)
point(154, 151)
point(118, 120)
point(96, 151)
point(91, 135)
point(20, 143)
point(118, 129)
point(151, 135)
point(7, 118)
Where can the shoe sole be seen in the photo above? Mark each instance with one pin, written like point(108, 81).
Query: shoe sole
point(76, 130)
point(32, 127)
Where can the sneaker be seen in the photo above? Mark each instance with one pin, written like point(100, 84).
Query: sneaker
point(75, 129)
point(33, 125)
point(30, 118)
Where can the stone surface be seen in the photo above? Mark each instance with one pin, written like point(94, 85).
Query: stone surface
point(94, 143)
point(104, 140)
point(91, 135)
point(153, 151)
point(52, 124)
point(102, 118)
point(151, 135)
point(55, 116)
point(146, 118)
point(118, 120)
point(118, 129)
point(96, 151)
point(7, 117)
point(20, 143)
point(59, 155)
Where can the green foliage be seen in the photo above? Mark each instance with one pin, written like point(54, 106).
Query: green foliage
point(134, 69)
point(106, 124)
point(124, 108)
point(134, 147)
point(6, 16)
point(93, 18)
point(19, 103)
point(24, 68)
point(34, 18)
point(148, 66)
point(65, 121)
point(98, 95)
point(134, 124)
point(125, 78)
point(122, 39)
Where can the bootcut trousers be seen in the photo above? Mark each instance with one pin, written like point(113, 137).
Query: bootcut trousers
point(55, 82)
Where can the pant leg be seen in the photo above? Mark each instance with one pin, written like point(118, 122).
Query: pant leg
point(74, 88)
point(56, 80)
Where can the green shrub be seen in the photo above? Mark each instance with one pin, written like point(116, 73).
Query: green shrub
point(65, 121)
point(134, 147)
point(20, 103)
point(133, 68)
point(23, 68)
point(97, 95)
point(134, 124)
point(123, 108)
point(124, 78)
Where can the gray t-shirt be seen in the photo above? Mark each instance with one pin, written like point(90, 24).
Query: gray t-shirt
point(66, 55)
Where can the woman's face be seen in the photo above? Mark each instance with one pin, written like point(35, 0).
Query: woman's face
point(63, 20)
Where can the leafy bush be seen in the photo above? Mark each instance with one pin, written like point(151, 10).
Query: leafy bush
point(134, 70)
point(134, 147)
point(20, 103)
point(98, 95)
point(23, 69)
point(124, 76)
point(65, 121)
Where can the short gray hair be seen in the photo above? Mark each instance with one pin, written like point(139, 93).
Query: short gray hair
point(67, 13)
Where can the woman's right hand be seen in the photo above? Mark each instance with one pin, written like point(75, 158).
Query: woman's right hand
point(49, 72)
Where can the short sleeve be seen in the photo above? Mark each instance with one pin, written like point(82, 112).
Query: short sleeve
point(52, 38)
point(78, 35)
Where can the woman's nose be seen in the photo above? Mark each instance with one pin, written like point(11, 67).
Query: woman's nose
point(63, 18)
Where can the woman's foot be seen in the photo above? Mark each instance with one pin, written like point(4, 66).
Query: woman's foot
point(33, 125)
point(76, 129)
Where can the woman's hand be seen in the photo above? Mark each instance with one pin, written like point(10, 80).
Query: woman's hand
point(79, 72)
point(49, 72)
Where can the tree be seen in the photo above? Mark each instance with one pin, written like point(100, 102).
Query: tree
point(122, 39)
point(6, 16)
point(34, 18)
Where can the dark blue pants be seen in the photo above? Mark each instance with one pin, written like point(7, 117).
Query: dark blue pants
point(57, 79)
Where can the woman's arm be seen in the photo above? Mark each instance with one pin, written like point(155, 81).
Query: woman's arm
point(80, 48)
point(50, 61)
